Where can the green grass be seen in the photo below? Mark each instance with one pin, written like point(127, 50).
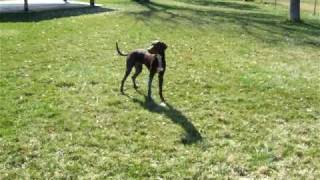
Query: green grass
point(242, 85)
point(305, 5)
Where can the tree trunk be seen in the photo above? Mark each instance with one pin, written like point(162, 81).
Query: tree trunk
point(26, 8)
point(315, 7)
point(91, 3)
point(295, 10)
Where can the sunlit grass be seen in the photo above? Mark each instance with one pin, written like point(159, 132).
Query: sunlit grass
point(242, 87)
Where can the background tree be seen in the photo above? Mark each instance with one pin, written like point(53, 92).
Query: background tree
point(315, 7)
point(295, 10)
point(26, 8)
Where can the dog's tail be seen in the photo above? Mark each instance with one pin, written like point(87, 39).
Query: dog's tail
point(119, 52)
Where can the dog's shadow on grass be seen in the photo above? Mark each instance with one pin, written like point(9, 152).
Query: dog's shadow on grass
point(192, 135)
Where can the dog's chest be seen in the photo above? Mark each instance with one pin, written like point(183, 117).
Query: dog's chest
point(159, 60)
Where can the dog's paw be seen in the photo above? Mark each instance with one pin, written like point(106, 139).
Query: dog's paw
point(163, 104)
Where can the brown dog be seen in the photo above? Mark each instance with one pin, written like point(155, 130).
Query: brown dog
point(153, 58)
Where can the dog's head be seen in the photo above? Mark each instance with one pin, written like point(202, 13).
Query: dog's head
point(157, 47)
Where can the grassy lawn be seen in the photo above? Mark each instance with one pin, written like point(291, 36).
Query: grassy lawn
point(242, 85)
point(305, 5)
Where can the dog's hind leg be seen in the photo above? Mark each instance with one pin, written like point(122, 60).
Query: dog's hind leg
point(138, 71)
point(128, 70)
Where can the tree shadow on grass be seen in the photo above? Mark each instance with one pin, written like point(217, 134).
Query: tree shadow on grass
point(50, 14)
point(263, 26)
point(192, 135)
point(223, 4)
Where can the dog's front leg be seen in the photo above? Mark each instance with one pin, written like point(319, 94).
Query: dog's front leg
point(151, 75)
point(161, 74)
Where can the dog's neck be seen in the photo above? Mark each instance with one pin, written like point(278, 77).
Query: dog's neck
point(160, 58)
point(160, 62)
point(162, 54)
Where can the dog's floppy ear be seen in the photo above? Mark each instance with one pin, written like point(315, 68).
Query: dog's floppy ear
point(153, 49)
